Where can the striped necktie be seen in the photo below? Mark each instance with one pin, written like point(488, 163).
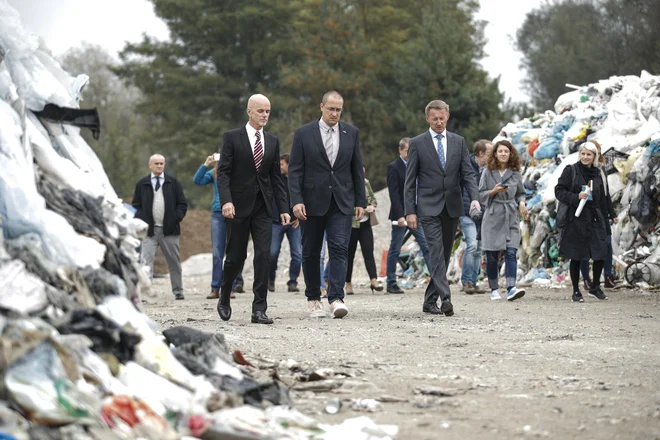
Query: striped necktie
point(258, 152)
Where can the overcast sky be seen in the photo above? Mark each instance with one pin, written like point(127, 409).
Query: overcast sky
point(67, 23)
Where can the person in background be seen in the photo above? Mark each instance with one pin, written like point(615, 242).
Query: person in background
point(207, 175)
point(584, 237)
point(396, 177)
point(612, 218)
point(471, 264)
point(293, 234)
point(160, 203)
point(362, 232)
point(501, 191)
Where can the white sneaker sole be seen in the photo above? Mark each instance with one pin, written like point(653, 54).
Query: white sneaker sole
point(316, 315)
point(518, 294)
point(495, 298)
point(339, 313)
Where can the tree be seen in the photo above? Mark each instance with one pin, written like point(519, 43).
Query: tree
point(611, 37)
point(120, 147)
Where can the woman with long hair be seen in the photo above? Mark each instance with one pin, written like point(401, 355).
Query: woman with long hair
point(584, 237)
point(501, 191)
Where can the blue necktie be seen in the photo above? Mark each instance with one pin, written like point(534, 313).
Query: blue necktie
point(157, 184)
point(441, 151)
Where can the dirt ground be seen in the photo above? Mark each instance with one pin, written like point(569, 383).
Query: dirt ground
point(540, 367)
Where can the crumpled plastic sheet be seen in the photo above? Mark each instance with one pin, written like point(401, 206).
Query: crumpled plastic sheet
point(621, 113)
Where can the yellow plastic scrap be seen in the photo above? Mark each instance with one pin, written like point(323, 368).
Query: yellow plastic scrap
point(583, 132)
point(624, 166)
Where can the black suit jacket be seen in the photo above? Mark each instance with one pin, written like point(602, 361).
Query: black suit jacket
point(176, 205)
point(313, 181)
point(238, 180)
point(396, 178)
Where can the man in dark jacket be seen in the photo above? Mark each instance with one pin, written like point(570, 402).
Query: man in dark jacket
point(471, 229)
point(160, 203)
point(293, 234)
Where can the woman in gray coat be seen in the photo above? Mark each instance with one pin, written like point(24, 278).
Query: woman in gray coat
point(501, 191)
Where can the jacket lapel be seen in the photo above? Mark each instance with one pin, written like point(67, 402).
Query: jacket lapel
point(428, 141)
point(316, 132)
point(451, 148)
point(343, 138)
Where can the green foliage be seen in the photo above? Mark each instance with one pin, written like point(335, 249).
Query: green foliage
point(387, 58)
point(582, 41)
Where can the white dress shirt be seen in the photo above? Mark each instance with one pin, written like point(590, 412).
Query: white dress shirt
point(323, 127)
point(444, 141)
point(153, 180)
point(253, 138)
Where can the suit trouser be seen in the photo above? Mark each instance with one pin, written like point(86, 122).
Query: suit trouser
point(258, 223)
point(169, 244)
point(338, 226)
point(439, 232)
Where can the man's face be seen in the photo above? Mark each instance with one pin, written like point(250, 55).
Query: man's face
point(157, 165)
point(437, 119)
point(481, 159)
point(258, 111)
point(331, 110)
point(284, 167)
point(404, 152)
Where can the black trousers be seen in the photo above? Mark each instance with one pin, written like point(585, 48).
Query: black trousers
point(440, 232)
point(365, 235)
point(258, 224)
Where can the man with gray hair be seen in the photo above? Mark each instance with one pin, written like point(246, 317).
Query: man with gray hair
point(438, 165)
point(160, 203)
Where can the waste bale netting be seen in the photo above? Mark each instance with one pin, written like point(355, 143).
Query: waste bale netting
point(78, 358)
point(622, 114)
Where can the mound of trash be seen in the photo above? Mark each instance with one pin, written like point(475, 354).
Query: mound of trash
point(78, 358)
point(621, 113)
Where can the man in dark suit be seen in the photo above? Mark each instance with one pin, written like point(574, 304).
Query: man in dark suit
point(438, 165)
point(326, 183)
point(248, 179)
point(396, 177)
point(160, 203)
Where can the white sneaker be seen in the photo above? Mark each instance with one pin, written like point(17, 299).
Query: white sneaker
point(338, 309)
point(315, 309)
point(495, 295)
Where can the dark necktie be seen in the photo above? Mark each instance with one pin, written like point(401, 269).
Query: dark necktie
point(157, 183)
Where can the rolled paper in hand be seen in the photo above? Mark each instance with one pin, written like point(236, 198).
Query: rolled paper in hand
point(583, 202)
point(396, 223)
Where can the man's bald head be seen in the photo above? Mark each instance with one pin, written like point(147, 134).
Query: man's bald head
point(157, 164)
point(258, 110)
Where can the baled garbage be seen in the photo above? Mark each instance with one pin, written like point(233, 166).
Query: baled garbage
point(78, 358)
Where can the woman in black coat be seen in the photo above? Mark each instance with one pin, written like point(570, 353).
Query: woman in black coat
point(584, 237)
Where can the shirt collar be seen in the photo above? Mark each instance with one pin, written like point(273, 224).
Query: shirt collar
point(161, 175)
point(404, 161)
point(434, 134)
point(325, 127)
point(251, 131)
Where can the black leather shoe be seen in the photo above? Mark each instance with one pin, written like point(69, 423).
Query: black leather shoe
point(293, 288)
point(432, 309)
point(261, 318)
point(394, 289)
point(224, 311)
point(271, 286)
point(447, 308)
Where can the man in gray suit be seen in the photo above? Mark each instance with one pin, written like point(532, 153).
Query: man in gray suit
point(438, 165)
point(326, 184)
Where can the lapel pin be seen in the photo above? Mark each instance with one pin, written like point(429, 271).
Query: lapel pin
point(343, 131)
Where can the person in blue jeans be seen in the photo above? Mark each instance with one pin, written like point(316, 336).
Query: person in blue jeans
point(471, 264)
point(396, 177)
point(205, 175)
point(293, 234)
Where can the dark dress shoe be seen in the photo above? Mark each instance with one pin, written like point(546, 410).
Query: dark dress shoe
point(432, 309)
point(394, 289)
point(271, 286)
point(293, 288)
point(224, 311)
point(447, 308)
point(261, 318)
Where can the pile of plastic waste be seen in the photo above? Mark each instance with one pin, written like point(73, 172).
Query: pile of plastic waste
point(621, 113)
point(78, 359)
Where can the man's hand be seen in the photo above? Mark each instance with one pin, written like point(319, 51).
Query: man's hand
point(295, 224)
point(285, 219)
point(583, 195)
point(209, 161)
point(523, 210)
point(401, 222)
point(299, 211)
point(370, 209)
point(475, 205)
point(228, 210)
point(359, 212)
point(412, 221)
